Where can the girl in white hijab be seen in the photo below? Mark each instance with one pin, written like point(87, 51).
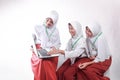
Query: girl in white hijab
point(98, 49)
point(76, 48)
point(46, 36)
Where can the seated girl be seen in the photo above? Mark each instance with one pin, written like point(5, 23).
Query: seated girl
point(94, 69)
point(46, 37)
point(75, 50)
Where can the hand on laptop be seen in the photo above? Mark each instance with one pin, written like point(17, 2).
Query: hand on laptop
point(53, 51)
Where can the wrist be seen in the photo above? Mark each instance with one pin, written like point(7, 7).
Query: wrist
point(91, 62)
point(61, 51)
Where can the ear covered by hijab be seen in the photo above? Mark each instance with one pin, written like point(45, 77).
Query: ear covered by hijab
point(95, 28)
point(54, 16)
point(78, 28)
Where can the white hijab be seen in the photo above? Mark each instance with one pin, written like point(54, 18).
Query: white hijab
point(100, 42)
point(95, 28)
point(78, 28)
point(73, 51)
point(54, 16)
point(44, 39)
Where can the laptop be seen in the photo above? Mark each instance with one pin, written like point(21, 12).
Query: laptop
point(42, 53)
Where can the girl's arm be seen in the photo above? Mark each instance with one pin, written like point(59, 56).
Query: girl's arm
point(56, 51)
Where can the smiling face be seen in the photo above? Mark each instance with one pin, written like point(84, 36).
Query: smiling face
point(71, 30)
point(49, 22)
point(88, 32)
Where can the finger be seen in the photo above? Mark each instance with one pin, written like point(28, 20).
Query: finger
point(80, 66)
point(49, 53)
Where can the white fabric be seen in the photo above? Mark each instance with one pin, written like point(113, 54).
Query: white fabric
point(54, 16)
point(42, 37)
point(101, 43)
point(80, 46)
point(91, 49)
point(103, 49)
point(95, 28)
point(78, 50)
point(78, 28)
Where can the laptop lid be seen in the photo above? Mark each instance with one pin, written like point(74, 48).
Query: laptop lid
point(42, 53)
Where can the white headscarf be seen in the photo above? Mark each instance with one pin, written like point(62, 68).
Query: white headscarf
point(76, 44)
point(100, 42)
point(95, 28)
point(54, 16)
point(78, 28)
point(49, 37)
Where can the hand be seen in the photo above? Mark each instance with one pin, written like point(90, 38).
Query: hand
point(50, 52)
point(53, 48)
point(92, 57)
point(83, 65)
point(53, 51)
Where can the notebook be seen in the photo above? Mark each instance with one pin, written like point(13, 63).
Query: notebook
point(42, 53)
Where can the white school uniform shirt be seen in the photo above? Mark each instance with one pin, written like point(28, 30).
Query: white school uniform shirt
point(77, 44)
point(99, 42)
point(47, 40)
point(48, 37)
point(91, 48)
point(77, 51)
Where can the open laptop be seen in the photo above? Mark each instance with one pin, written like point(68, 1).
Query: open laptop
point(42, 53)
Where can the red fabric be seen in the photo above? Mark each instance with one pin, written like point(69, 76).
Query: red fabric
point(44, 69)
point(68, 71)
point(71, 72)
point(94, 71)
point(62, 69)
point(36, 66)
point(38, 46)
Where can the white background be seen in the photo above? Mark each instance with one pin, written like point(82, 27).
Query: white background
point(18, 17)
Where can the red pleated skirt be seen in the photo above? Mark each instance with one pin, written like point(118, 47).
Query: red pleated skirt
point(92, 72)
point(44, 69)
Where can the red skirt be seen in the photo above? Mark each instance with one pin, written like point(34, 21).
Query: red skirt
point(62, 69)
point(68, 71)
point(94, 71)
point(44, 69)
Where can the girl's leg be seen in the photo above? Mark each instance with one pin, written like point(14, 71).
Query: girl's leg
point(96, 71)
point(49, 66)
point(36, 66)
point(62, 69)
